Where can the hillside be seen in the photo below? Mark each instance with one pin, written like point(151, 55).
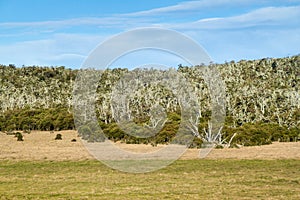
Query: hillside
point(262, 99)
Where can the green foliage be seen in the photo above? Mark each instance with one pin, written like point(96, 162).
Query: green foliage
point(261, 98)
point(37, 119)
point(252, 134)
point(19, 136)
point(113, 132)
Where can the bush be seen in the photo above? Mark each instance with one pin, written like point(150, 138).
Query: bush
point(58, 136)
point(55, 118)
point(19, 136)
point(252, 135)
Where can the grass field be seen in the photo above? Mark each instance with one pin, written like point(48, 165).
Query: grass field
point(43, 168)
point(184, 179)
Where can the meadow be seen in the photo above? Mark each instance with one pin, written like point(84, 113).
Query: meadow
point(41, 167)
point(189, 179)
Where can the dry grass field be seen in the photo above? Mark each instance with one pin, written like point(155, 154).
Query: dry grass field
point(43, 168)
point(40, 145)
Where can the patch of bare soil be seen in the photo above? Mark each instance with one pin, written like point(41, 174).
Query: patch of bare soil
point(41, 145)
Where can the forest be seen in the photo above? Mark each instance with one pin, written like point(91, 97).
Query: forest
point(261, 96)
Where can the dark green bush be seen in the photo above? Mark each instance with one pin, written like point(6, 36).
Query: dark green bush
point(261, 134)
point(58, 136)
point(19, 136)
point(57, 118)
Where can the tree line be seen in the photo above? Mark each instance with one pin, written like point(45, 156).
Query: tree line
point(262, 101)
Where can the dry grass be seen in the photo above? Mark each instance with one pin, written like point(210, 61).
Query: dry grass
point(277, 150)
point(43, 168)
point(40, 145)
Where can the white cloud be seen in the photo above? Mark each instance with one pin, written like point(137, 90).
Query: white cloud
point(270, 16)
point(190, 5)
point(203, 5)
point(151, 17)
point(60, 49)
point(63, 48)
point(64, 23)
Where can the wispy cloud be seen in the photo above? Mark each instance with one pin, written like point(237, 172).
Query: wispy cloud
point(203, 5)
point(260, 16)
point(263, 17)
point(189, 6)
point(61, 42)
point(59, 49)
point(65, 23)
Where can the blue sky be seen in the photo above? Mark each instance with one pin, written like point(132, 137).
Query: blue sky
point(64, 32)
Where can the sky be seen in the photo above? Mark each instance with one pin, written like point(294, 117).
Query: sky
point(65, 32)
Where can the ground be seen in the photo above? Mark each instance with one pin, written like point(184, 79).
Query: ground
point(40, 145)
point(43, 168)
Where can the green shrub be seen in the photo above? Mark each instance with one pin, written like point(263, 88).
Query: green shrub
point(19, 136)
point(252, 135)
point(58, 136)
point(55, 118)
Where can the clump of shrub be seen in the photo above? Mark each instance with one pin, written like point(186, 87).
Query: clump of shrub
point(44, 119)
point(247, 134)
point(58, 136)
point(254, 134)
point(19, 136)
